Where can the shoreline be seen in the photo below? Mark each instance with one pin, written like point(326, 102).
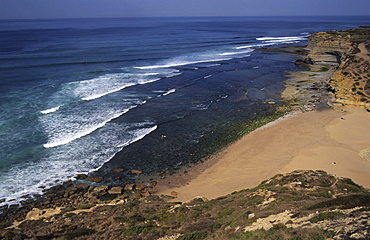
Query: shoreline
point(312, 140)
point(329, 134)
point(297, 141)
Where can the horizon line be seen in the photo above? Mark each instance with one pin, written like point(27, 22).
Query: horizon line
point(236, 16)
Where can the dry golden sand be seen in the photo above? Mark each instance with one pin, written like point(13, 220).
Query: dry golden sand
point(312, 140)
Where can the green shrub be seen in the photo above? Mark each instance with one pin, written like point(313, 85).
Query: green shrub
point(226, 212)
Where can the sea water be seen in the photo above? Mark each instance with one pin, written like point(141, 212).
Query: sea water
point(138, 92)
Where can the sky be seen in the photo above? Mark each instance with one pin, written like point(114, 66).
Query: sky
point(41, 9)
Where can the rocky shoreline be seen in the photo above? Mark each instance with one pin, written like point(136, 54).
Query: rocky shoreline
point(336, 70)
point(337, 73)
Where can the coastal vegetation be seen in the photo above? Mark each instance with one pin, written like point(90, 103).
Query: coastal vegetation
point(299, 205)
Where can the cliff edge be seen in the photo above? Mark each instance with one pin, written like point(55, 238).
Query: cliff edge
point(348, 53)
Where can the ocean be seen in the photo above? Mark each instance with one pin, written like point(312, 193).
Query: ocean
point(81, 95)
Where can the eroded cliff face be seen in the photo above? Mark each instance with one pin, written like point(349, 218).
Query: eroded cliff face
point(349, 52)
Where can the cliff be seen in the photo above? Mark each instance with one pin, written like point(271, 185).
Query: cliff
point(336, 71)
point(348, 52)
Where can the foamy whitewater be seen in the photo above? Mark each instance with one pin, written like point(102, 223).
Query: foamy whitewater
point(76, 92)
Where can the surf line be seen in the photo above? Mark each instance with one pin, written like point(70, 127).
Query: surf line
point(83, 133)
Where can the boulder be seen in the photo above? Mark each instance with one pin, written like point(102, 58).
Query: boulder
point(129, 187)
point(115, 190)
point(82, 186)
point(307, 60)
point(96, 179)
point(153, 183)
point(135, 172)
point(81, 176)
point(146, 194)
point(137, 195)
point(251, 215)
point(118, 170)
point(67, 183)
point(141, 187)
point(100, 189)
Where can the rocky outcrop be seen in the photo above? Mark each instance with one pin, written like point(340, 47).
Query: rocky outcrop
point(349, 52)
point(337, 71)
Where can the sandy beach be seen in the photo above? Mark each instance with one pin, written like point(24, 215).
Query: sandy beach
point(337, 142)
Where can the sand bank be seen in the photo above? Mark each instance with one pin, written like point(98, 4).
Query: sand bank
point(330, 140)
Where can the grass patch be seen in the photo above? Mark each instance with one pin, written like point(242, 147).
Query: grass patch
point(193, 236)
point(349, 201)
point(324, 216)
point(136, 229)
point(79, 233)
point(226, 212)
point(67, 209)
point(323, 69)
point(5, 224)
point(254, 201)
point(280, 231)
point(86, 206)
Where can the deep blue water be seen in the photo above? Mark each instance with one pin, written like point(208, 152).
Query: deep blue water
point(75, 92)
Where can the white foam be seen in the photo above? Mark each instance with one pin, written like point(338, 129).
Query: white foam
point(96, 88)
point(103, 85)
point(254, 45)
point(236, 53)
point(281, 39)
point(71, 137)
point(148, 81)
point(51, 110)
point(212, 65)
point(169, 92)
point(66, 161)
point(96, 96)
point(178, 62)
point(139, 135)
point(269, 41)
point(166, 72)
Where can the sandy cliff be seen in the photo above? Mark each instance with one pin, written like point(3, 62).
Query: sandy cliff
point(348, 52)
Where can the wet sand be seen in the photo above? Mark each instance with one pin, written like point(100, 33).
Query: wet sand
point(337, 142)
